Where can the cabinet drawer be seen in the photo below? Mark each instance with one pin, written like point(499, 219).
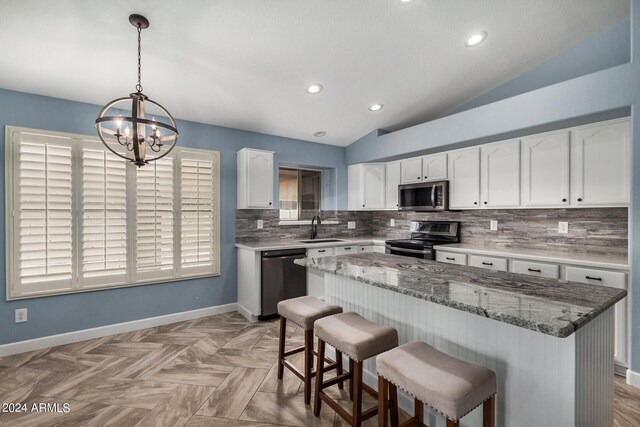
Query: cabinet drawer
point(346, 250)
point(614, 279)
point(491, 263)
point(319, 252)
point(365, 248)
point(451, 258)
point(540, 269)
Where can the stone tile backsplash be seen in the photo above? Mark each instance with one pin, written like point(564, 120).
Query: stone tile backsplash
point(591, 230)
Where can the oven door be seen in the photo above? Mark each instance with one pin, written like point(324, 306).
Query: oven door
point(425, 196)
point(426, 253)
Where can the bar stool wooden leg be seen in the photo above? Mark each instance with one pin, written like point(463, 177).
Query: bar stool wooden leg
point(418, 410)
point(319, 378)
point(283, 334)
point(351, 364)
point(383, 401)
point(339, 368)
point(489, 412)
point(308, 364)
point(393, 404)
point(357, 394)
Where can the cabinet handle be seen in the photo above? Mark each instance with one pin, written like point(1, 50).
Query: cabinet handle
point(451, 258)
point(534, 270)
point(485, 203)
point(579, 199)
point(321, 251)
point(475, 203)
point(594, 278)
point(363, 206)
point(425, 177)
point(487, 263)
point(564, 200)
point(347, 248)
point(418, 177)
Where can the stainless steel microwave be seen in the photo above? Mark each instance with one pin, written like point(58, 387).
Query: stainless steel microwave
point(424, 196)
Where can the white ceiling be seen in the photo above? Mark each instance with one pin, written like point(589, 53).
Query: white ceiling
point(246, 63)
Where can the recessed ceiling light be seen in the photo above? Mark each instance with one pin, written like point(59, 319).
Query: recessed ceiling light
point(375, 107)
point(476, 39)
point(314, 88)
point(406, 1)
point(319, 134)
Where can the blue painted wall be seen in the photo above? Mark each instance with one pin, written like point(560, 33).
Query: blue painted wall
point(64, 313)
point(602, 51)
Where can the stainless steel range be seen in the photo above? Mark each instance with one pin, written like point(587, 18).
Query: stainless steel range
point(425, 235)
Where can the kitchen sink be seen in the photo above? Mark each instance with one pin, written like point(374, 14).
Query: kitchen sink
point(321, 241)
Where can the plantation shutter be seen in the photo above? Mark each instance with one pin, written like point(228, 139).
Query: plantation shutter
point(104, 216)
point(43, 197)
point(154, 218)
point(198, 221)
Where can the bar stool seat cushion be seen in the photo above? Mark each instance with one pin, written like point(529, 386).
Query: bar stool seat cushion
point(355, 336)
point(304, 311)
point(449, 385)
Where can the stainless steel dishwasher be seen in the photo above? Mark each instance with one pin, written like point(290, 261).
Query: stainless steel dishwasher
point(281, 278)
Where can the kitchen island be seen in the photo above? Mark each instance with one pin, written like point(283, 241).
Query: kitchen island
point(549, 341)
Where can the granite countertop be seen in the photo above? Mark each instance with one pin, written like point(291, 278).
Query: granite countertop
point(616, 262)
point(551, 306)
point(275, 244)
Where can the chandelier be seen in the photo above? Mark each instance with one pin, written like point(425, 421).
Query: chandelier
point(124, 126)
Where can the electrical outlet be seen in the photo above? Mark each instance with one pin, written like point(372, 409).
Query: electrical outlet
point(392, 222)
point(21, 315)
point(563, 227)
point(260, 223)
point(493, 225)
point(351, 225)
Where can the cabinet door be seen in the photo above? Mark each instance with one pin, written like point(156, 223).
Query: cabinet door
point(464, 178)
point(614, 279)
point(373, 186)
point(346, 250)
point(533, 268)
point(434, 167)
point(259, 180)
point(354, 201)
point(393, 180)
point(600, 165)
point(545, 176)
point(500, 174)
point(411, 170)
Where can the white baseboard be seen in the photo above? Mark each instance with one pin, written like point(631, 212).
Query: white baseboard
point(633, 378)
point(118, 328)
point(246, 313)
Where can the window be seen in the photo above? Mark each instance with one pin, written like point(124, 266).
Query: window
point(299, 193)
point(81, 218)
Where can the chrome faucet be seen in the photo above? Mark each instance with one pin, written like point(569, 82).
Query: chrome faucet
point(314, 227)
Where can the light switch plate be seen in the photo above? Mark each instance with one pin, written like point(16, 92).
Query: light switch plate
point(351, 225)
point(493, 225)
point(563, 227)
point(260, 223)
point(21, 315)
point(392, 222)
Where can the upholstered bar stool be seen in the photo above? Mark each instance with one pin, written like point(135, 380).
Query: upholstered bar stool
point(449, 385)
point(359, 339)
point(303, 311)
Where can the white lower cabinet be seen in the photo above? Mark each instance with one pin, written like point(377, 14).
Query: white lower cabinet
point(451, 258)
point(614, 279)
point(365, 248)
point(491, 263)
point(347, 250)
point(319, 252)
point(540, 269)
point(379, 249)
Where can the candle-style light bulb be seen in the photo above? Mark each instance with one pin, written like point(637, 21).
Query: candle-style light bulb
point(126, 132)
point(118, 125)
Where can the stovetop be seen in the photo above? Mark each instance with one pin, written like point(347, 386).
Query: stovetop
point(415, 243)
point(426, 234)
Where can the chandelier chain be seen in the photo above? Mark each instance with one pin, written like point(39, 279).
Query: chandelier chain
point(139, 85)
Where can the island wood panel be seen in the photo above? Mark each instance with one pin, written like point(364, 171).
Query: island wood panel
point(542, 380)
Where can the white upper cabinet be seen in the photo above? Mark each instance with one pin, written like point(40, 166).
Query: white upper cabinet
point(255, 179)
point(600, 163)
point(411, 170)
point(545, 169)
point(367, 186)
point(434, 167)
point(500, 174)
point(393, 180)
point(464, 175)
